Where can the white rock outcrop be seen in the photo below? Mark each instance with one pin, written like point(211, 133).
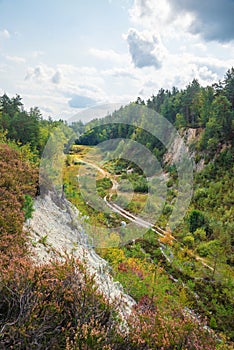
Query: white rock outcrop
point(55, 231)
point(180, 144)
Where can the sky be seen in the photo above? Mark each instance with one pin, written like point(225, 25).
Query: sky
point(65, 56)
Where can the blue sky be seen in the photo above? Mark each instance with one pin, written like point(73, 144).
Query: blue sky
point(66, 55)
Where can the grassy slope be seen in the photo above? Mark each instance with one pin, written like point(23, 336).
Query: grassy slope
point(142, 269)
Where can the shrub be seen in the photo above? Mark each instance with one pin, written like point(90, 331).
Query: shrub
point(196, 220)
point(189, 241)
point(167, 209)
point(155, 328)
point(52, 306)
point(27, 207)
point(17, 186)
point(203, 249)
point(200, 234)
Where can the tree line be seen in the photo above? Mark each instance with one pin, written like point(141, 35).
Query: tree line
point(25, 127)
point(209, 108)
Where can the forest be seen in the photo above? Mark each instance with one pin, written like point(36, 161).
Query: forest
point(41, 308)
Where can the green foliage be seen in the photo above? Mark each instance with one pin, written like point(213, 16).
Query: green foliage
point(200, 234)
point(43, 240)
point(213, 323)
point(28, 207)
point(103, 185)
point(229, 86)
point(195, 106)
point(180, 121)
point(189, 241)
point(167, 209)
point(196, 220)
point(206, 248)
point(159, 319)
point(54, 157)
point(26, 128)
point(140, 185)
point(96, 134)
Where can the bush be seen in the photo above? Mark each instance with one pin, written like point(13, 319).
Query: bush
point(167, 209)
point(203, 249)
point(200, 234)
point(206, 248)
point(54, 306)
point(17, 186)
point(28, 207)
point(140, 185)
point(153, 328)
point(189, 241)
point(196, 220)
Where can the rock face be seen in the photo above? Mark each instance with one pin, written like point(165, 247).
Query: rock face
point(175, 152)
point(56, 230)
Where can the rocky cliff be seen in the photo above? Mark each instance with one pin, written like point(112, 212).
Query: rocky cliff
point(175, 152)
point(56, 231)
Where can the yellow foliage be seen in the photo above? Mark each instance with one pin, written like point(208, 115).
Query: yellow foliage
point(167, 239)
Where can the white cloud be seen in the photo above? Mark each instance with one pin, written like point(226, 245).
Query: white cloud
point(85, 81)
point(183, 54)
point(40, 73)
point(50, 104)
point(63, 88)
point(157, 16)
point(36, 54)
point(3, 67)
point(145, 48)
point(109, 55)
point(78, 87)
point(56, 78)
point(144, 10)
point(126, 72)
point(200, 46)
point(16, 59)
point(4, 34)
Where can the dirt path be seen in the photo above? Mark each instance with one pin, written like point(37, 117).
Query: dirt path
point(133, 218)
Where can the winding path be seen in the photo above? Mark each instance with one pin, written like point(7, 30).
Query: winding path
point(137, 220)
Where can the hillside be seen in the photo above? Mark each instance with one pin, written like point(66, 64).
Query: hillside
point(76, 276)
